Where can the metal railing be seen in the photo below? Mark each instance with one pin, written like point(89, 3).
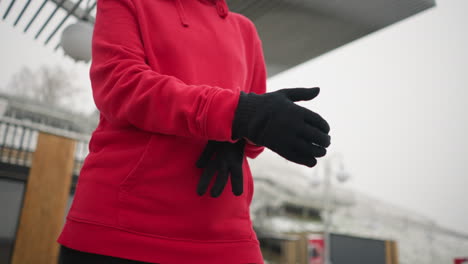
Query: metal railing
point(18, 140)
point(17, 143)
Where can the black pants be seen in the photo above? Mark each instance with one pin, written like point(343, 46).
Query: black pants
point(71, 256)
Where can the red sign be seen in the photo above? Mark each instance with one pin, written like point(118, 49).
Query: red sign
point(461, 261)
point(316, 249)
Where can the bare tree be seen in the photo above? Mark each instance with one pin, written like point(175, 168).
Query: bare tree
point(21, 83)
point(51, 85)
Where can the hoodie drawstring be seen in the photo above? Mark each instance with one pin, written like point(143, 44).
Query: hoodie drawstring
point(180, 10)
point(221, 7)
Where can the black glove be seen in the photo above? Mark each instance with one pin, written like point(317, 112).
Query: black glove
point(226, 159)
point(273, 120)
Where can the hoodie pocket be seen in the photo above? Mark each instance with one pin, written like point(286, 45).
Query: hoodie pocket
point(158, 197)
point(130, 180)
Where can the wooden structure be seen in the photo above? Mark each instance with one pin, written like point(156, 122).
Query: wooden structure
point(45, 200)
point(391, 252)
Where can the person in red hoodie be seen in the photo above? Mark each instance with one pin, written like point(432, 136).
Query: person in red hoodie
point(181, 90)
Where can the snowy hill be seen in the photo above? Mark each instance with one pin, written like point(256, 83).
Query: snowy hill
point(279, 183)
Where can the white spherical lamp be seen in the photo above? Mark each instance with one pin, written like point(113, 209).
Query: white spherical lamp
point(76, 40)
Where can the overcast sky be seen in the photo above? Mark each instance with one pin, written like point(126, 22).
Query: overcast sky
point(396, 101)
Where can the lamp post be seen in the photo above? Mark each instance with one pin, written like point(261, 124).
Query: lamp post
point(342, 176)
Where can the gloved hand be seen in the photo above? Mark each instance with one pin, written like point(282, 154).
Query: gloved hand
point(226, 159)
point(273, 120)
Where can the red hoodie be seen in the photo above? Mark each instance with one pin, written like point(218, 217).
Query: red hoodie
point(166, 76)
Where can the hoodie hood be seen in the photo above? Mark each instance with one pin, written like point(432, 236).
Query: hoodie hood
point(221, 8)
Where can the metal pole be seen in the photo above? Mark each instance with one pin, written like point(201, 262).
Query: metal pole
point(327, 212)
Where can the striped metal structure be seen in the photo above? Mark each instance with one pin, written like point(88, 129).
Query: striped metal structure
point(293, 31)
point(52, 15)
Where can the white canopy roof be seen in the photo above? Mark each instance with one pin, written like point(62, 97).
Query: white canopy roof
point(293, 31)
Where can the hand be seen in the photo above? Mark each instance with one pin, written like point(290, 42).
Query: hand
point(273, 120)
point(226, 159)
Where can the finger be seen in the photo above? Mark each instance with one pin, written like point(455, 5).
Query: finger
point(205, 178)
point(306, 160)
point(316, 120)
point(220, 182)
point(240, 145)
point(294, 156)
point(305, 149)
point(206, 155)
point(237, 178)
point(301, 94)
point(238, 152)
point(314, 135)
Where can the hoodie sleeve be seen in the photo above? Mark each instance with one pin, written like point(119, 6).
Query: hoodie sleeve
point(259, 87)
point(128, 92)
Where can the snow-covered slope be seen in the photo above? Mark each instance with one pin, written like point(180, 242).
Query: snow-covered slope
point(420, 240)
